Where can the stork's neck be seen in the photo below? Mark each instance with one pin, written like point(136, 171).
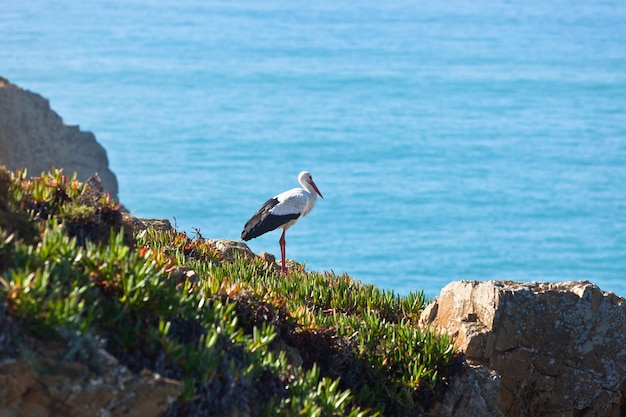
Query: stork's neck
point(308, 188)
point(307, 183)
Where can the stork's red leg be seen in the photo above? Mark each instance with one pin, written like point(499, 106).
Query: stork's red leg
point(283, 252)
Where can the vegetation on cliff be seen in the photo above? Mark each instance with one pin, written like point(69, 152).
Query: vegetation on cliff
point(243, 338)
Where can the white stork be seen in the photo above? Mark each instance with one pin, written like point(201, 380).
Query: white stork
point(283, 211)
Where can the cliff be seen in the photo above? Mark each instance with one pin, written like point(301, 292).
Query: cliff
point(33, 136)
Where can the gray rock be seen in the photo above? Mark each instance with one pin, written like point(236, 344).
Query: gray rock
point(33, 136)
point(560, 348)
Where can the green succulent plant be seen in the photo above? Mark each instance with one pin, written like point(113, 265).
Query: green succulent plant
point(241, 337)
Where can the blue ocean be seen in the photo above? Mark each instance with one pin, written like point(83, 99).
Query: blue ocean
point(451, 140)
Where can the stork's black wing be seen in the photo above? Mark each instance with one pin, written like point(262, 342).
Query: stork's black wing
point(264, 221)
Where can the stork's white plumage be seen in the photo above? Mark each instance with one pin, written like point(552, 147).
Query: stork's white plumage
point(283, 211)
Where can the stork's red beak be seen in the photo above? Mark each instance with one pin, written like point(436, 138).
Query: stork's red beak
point(315, 188)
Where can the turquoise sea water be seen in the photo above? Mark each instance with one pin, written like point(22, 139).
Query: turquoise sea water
point(451, 140)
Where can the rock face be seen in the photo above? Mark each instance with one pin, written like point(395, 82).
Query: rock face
point(471, 394)
point(33, 136)
point(560, 349)
point(56, 387)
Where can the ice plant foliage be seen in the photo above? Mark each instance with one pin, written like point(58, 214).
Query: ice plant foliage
point(240, 335)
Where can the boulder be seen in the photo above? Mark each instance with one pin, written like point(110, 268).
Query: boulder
point(559, 348)
point(228, 248)
point(33, 136)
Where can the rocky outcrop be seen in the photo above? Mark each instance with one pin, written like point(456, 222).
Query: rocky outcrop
point(560, 349)
point(68, 388)
point(33, 136)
